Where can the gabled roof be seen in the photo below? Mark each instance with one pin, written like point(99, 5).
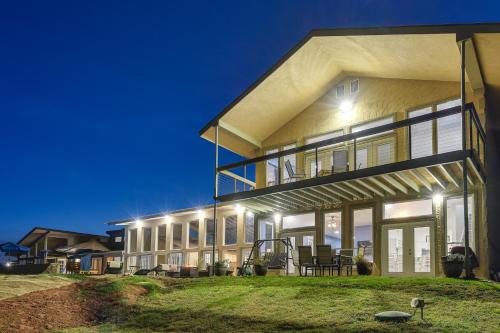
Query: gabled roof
point(325, 56)
point(37, 232)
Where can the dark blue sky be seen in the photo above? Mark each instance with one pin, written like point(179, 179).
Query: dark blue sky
point(101, 101)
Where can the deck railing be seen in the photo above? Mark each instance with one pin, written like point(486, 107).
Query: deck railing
point(425, 135)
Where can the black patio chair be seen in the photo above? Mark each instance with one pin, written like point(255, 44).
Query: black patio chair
point(324, 258)
point(306, 260)
point(292, 175)
point(346, 260)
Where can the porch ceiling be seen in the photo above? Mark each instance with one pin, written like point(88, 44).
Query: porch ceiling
point(325, 57)
point(423, 181)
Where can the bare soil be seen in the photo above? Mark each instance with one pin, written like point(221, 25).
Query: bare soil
point(74, 305)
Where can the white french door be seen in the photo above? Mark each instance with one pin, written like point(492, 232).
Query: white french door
point(299, 239)
point(408, 249)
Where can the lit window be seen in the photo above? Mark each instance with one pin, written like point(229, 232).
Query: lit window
point(249, 228)
point(193, 234)
point(404, 209)
point(340, 90)
point(176, 236)
point(354, 86)
point(230, 230)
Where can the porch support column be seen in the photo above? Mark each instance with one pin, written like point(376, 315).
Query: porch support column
point(464, 161)
point(216, 192)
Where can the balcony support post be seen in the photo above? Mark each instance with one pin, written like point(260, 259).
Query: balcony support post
point(216, 193)
point(464, 161)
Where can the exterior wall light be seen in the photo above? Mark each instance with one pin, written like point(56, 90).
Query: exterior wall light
point(167, 218)
point(437, 198)
point(277, 218)
point(250, 214)
point(240, 209)
point(201, 214)
point(138, 223)
point(346, 107)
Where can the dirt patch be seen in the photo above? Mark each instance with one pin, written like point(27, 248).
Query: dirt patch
point(71, 306)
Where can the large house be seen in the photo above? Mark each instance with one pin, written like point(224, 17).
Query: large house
point(378, 138)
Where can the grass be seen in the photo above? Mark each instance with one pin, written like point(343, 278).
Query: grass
point(15, 285)
point(294, 304)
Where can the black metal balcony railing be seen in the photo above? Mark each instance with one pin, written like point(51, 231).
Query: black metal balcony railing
point(429, 134)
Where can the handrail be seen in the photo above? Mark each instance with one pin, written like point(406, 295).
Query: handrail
point(356, 135)
point(476, 120)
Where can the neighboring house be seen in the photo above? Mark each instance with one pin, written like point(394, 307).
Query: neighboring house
point(52, 246)
point(358, 138)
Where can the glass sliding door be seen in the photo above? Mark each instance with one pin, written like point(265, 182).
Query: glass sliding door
point(266, 231)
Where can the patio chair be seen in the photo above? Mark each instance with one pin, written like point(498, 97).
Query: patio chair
point(306, 259)
point(292, 175)
point(346, 260)
point(340, 161)
point(324, 258)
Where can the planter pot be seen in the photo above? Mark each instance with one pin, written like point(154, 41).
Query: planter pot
point(220, 270)
point(260, 270)
point(452, 269)
point(364, 268)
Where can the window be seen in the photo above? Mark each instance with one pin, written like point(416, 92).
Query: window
point(312, 172)
point(408, 209)
point(118, 239)
point(354, 86)
point(161, 259)
point(207, 257)
point(146, 239)
point(132, 240)
point(230, 230)
point(162, 237)
point(272, 169)
point(449, 129)
point(384, 153)
point(193, 234)
point(266, 231)
point(132, 261)
point(333, 229)
point(323, 137)
point(192, 259)
point(455, 235)
point(340, 90)
point(289, 161)
point(209, 232)
point(176, 236)
point(298, 221)
point(245, 254)
point(175, 259)
point(421, 134)
point(146, 261)
point(373, 124)
point(249, 227)
point(363, 231)
point(361, 158)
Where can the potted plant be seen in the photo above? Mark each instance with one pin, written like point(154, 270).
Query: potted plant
point(220, 267)
point(363, 266)
point(260, 266)
point(453, 264)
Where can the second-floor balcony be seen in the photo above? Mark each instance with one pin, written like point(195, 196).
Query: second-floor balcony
point(422, 153)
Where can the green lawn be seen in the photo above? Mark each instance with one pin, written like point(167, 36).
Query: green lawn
point(292, 304)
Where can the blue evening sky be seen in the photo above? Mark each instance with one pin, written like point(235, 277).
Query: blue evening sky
point(101, 101)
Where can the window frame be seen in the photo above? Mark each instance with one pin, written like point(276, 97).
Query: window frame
point(235, 229)
point(173, 234)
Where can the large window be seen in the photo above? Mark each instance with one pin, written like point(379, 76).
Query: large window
point(230, 229)
point(372, 124)
point(192, 259)
point(298, 221)
point(449, 129)
point(323, 137)
point(146, 261)
point(363, 231)
point(421, 134)
point(175, 259)
point(209, 232)
point(193, 234)
point(333, 229)
point(176, 236)
point(266, 231)
point(146, 239)
point(272, 169)
point(132, 240)
point(455, 231)
point(384, 154)
point(249, 227)
point(405, 209)
point(162, 237)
